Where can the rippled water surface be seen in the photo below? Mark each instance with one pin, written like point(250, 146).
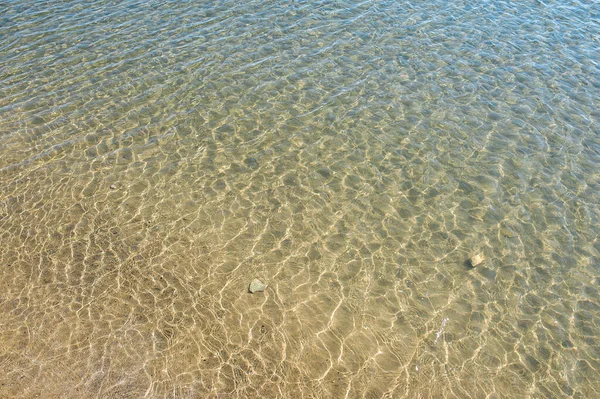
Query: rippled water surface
point(156, 157)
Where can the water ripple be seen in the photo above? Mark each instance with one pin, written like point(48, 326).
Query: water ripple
point(156, 157)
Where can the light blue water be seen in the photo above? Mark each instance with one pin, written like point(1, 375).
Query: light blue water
point(156, 157)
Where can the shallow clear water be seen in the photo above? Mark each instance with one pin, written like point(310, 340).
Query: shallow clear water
point(156, 157)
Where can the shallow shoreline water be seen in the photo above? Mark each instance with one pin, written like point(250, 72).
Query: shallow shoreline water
point(156, 157)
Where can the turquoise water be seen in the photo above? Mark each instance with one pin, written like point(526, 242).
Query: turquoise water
point(156, 157)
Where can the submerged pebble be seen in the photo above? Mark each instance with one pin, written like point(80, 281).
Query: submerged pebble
point(476, 260)
point(256, 286)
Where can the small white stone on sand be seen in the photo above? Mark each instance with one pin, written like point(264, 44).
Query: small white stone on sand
point(256, 286)
point(113, 187)
point(476, 260)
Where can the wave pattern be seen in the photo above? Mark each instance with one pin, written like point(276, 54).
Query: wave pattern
point(156, 157)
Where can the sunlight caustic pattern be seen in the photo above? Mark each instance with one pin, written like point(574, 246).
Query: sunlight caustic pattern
point(156, 157)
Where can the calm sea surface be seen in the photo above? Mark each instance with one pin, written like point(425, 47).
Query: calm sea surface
point(157, 156)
